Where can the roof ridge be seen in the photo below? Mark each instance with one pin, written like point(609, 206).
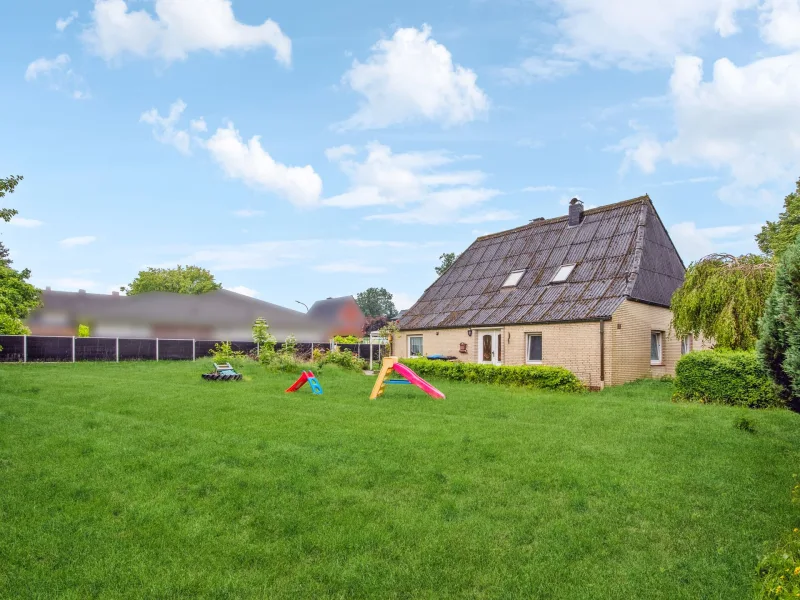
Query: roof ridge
point(590, 211)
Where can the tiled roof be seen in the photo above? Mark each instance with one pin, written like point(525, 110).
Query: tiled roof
point(620, 251)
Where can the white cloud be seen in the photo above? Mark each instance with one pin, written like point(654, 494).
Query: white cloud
point(164, 127)
point(414, 182)
point(78, 241)
point(69, 284)
point(403, 301)
point(198, 125)
point(693, 243)
point(641, 34)
point(537, 68)
point(244, 291)
point(412, 77)
point(62, 24)
point(255, 167)
point(339, 152)
point(178, 28)
point(43, 66)
point(349, 267)
point(707, 179)
point(247, 161)
point(780, 23)
point(58, 75)
point(246, 212)
point(258, 255)
point(540, 188)
point(744, 121)
point(23, 222)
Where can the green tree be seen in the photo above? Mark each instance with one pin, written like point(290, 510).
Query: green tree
point(17, 299)
point(776, 236)
point(180, 280)
point(779, 344)
point(376, 302)
point(448, 258)
point(722, 298)
point(7, 186)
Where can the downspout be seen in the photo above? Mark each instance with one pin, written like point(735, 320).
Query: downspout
point(602, 353)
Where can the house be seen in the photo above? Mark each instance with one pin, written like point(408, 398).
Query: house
point(589, 291)
point(343, 312)
point(218, 315)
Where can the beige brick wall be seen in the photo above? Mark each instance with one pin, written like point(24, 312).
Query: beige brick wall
point(575, 346)
point(631, 326)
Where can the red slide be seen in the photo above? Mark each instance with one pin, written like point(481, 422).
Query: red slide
point(299, 383)
point(418, 381)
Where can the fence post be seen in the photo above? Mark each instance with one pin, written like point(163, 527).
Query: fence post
point(24, 348)
point(73, 348)
point(117, 349)
point(193, 350)
point(156, 349)
point(258, 349)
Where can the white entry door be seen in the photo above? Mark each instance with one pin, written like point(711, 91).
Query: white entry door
point(490, 347)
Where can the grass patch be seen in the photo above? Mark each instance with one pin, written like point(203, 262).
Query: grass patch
point(142, 480)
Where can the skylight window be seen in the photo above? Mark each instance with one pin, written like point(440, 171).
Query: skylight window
point(563, 273)
point(513, 278)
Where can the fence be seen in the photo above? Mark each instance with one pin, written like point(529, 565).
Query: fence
point(36, 348)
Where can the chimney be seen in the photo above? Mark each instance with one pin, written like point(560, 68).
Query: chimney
point(81, 291)
point(115, 293)
point(575, 212)
point(47, 289)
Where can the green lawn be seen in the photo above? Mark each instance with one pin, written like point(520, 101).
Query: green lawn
point(142, 480)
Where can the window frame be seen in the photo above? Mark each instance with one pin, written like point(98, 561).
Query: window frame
point(528, 337)
point(688, 340)
point(512, 273)
point(660, 338)
point(567, 276)
point(421, 346)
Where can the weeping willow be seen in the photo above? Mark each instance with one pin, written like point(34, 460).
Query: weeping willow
point(722, 299)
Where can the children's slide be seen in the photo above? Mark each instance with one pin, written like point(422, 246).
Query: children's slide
point(418, 381)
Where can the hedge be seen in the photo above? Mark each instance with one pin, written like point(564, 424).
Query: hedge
point(541, 377)
point(735, 378)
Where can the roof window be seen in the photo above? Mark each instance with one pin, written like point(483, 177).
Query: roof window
point(513, 278)
point(563, 273)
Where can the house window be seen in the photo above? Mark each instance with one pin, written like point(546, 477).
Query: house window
point(534, 349)
point(415, 345)
point(686, 344)
point(563, 273)
point(513, 278)
point(656, 349)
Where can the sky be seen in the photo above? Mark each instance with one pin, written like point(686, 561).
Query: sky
point(307, 149)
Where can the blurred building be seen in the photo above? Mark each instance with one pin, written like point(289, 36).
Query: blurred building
point(218, 315)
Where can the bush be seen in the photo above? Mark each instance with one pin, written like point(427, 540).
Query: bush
point(12, 326)
point(346, 339)
point(779, 570)
point(83, 331)
point(736, 378)
point(224, 352)
point(343, 358)
point(541, 377)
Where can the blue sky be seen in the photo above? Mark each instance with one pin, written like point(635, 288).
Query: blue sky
point(308, 149)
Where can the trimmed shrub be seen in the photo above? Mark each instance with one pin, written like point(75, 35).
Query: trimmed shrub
point(83, 331)
point(736, 378)
point(541, 377)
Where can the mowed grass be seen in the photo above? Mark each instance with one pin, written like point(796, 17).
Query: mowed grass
point(140, 480)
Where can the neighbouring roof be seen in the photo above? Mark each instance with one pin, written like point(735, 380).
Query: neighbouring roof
point(621, 251)
point(218, 308)
point(331, 308)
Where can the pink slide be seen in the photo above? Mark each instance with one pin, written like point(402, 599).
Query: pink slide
point(418, 381)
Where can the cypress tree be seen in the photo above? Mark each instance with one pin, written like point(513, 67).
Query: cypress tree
point(779, 342)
